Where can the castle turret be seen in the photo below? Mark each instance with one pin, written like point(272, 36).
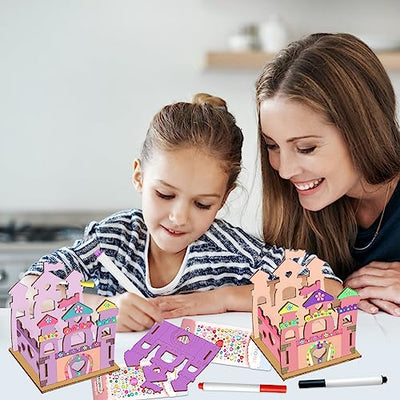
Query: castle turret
point(106, 329)
point(348, 318)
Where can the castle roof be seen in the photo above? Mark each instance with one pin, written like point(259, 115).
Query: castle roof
point(288, 308)
point(347, 292)
point(77, 310)
point(105, 305)
point(318, 297)
point(46, 321)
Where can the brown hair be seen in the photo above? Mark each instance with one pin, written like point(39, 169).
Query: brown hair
point(340, 77)
point(205, 124)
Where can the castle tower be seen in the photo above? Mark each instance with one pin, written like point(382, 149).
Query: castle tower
point(79, 329)
point(289, 331)
point(260, 296)
point(347, 319)
point(106, 329)
point(320, 316)
point(48, 347)
point(19, 310)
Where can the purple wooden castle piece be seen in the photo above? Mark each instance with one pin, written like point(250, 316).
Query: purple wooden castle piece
point(173, 346)
point(53, 332)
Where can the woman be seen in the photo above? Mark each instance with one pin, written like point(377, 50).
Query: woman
point(330, 159)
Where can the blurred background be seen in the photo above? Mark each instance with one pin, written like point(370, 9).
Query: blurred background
point(80, 81)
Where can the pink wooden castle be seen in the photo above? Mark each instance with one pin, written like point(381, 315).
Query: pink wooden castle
point(53, 334)
point(296, 324)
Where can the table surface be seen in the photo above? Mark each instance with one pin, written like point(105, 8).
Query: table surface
point(377, 342)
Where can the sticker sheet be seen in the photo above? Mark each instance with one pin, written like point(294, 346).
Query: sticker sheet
point(126, 384)
point(236, 347)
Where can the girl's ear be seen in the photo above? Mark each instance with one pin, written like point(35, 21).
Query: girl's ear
point(137, 176)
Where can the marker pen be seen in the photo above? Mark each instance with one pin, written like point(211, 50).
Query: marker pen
point(88, 284)
point(241, 387)
point(117, 273)
point(313, 383)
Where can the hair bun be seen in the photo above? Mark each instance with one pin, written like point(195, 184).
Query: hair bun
point(208, 99)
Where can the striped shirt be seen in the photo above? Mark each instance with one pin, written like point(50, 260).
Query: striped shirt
point(223, 256)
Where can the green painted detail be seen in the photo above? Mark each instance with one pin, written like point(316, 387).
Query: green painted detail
point(347, 292)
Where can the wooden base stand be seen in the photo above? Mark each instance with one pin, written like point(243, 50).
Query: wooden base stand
point(35, 378)
point(264, 349)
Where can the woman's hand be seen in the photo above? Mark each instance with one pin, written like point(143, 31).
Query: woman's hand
point(135, 312)
point(217, 301)
point(378, 285)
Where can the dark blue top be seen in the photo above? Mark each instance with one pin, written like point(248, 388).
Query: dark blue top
point(386, 246)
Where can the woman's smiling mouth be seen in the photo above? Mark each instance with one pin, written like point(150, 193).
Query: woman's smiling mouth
point(308, 186)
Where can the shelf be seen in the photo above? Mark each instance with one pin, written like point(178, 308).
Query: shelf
point(256, 59)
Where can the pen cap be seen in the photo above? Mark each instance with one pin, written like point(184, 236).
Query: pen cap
point(312, 383)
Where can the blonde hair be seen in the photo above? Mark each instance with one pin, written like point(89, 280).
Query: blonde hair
point(206, 124)
point(340, 77)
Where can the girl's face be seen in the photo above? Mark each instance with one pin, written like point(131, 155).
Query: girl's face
point(182, 191)
point(308, 152)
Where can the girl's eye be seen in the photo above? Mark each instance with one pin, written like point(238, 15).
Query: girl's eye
point(306, 150)
point(271, 146)
point(202, 206)
point(164, 196)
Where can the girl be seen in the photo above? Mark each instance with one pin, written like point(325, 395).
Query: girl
point(189, 164)
point(330, 160)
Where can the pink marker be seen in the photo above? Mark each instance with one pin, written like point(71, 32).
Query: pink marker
point(241, 387)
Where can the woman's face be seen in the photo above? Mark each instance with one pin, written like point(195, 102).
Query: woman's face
point(309, 152)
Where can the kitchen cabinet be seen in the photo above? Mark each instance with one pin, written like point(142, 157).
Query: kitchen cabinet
point(256, 59)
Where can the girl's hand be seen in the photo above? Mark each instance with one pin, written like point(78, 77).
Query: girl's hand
point(378, 285)
point(217, 301)
point(135, 313)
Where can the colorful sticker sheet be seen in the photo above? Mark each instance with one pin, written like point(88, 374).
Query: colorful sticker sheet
point(126, 384)
point(237, 348)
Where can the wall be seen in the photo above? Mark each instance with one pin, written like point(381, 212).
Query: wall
point(81, 79)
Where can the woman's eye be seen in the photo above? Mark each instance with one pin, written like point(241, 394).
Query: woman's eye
point(202, 206)
point(164, 196)
point(306, 150)
point(271, 146)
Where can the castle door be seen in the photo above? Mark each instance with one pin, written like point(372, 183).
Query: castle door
point(78, 365)
point(319, 353)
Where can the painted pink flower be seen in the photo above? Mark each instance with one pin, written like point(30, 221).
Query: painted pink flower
point(78, 309)
point(320, 296)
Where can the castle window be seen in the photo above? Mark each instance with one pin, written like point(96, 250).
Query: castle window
point(106, 332)
point(319, 325)
point(287, 357)
point(290, 334)
point(78, 338)
point(48, 305)
point(346, 319)
point(20, 313)
point(48, 348)
point(289, 293)
point(271, 338)
point(261, 300)
point(30, 351)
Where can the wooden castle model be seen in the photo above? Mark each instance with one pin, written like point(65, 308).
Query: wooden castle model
point(296, 324)
point(54, 337)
